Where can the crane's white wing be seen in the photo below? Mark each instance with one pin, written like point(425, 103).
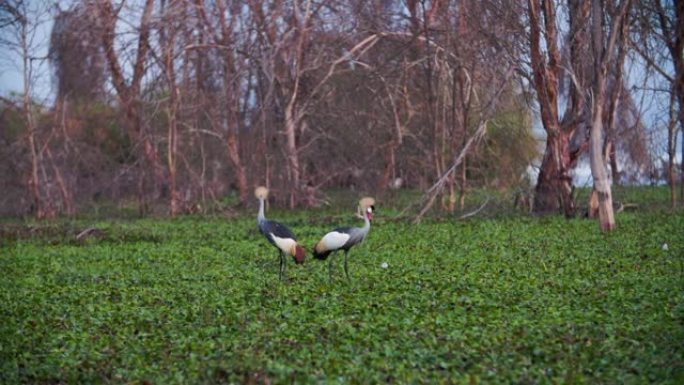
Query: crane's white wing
point(335, 240)
point(284, 244)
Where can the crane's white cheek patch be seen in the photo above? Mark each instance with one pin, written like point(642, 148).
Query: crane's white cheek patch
point(334, 240)
point(284, 244)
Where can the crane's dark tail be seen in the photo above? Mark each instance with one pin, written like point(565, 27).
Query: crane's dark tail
point(320, 253)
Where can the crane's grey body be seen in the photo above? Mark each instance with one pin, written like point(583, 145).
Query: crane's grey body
point(349, 235)
point(279, 236)
point(272, 229)
point(342, 238)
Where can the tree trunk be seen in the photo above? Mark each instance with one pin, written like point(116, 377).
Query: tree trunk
point(554, 185)
point(593, 209)
point(680, 96)
point(463, 91)
point(601, 199)
point(554, 190)
point(681, 163)
point(614, 170)
point(671, 155)
point(230, 84)
point(461, 116)
point(292, 154)
point(167, 33)
point(67, 200)
point(672, 30)
point(462, 184)
point(238, 168)
point(452, 193)
point(34, 179)
point(40, 207)
point(681, 126)
point(389, 171)
point(128, 92)
point(598, 171)
point(676, 48)
point(603, 57)
point(289, 64)
point(172, 140)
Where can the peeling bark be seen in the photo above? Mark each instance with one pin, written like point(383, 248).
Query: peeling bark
point(554, 189)
point(604, 54)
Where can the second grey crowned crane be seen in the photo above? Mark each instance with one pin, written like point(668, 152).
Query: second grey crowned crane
point(344, 238)
point(277, 234)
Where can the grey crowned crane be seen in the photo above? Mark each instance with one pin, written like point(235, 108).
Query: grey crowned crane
point(344, 238)
point(277, 234)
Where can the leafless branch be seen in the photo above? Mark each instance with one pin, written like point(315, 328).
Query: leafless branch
point(473, 213)
point(485, 115)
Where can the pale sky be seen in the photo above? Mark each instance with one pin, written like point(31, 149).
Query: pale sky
point(40, 22)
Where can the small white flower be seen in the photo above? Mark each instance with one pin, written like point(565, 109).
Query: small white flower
point(384, 265)
point(665, 247)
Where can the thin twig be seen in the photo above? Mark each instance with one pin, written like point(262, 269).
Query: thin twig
point(485, 115)
point(473, 213)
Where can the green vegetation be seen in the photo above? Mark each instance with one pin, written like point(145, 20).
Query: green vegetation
point(197, 300)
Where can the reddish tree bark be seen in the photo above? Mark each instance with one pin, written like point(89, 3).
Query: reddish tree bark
point(554, 185)
point(129, 92)
point(286, 61)
point(231, 86)
point(554, 188)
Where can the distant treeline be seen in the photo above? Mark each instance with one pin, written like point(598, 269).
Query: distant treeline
point(189, 102)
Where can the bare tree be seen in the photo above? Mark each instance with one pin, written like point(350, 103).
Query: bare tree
point(604, 50)
point(78, 64)
point(221, 31)
point(20, 21)
point(172, 16)
point(672, 27)
point(308, 95)
point(554, 187)
point(129, 92)
point(661, 35)
point(295, 63)
point(483, 118)
point(76, 55)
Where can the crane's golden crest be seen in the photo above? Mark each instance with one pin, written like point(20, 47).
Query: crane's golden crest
point(320, 247)
point(261, 192)
point(366, 202)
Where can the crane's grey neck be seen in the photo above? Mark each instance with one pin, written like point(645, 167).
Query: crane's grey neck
point(260, 216)
point(366, 225)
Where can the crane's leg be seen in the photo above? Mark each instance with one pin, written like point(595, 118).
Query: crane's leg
point(282, 265)
point(346, 266)
point(330, 268)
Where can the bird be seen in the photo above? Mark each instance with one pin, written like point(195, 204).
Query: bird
point(344, 238)
point(278, 235)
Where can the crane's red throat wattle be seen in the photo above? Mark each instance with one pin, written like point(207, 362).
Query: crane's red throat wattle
point(299, 254)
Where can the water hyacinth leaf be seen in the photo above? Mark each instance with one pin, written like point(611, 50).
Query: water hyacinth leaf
point(193, 300)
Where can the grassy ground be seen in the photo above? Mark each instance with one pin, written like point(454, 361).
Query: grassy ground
point(197, 300)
